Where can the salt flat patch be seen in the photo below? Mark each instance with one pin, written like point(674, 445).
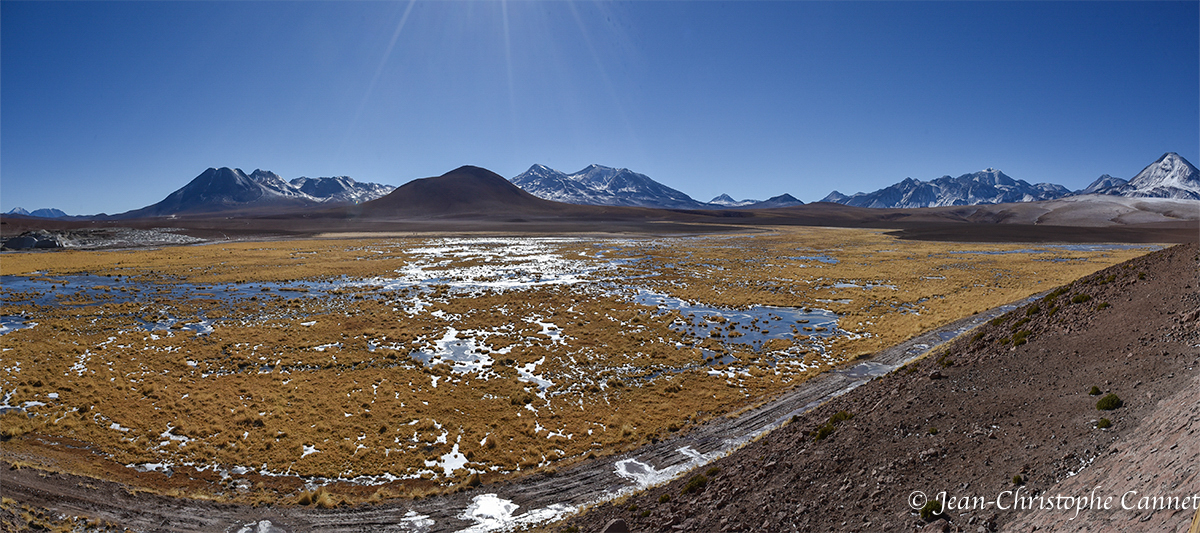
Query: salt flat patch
point(414, 521)
point(643, 475)
point(526, 373)
point(450, 461)
point(464, 355)
point(498, 264)
point(492, 513)
point(262, 526)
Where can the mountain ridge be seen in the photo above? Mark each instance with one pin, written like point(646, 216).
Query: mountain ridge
point(601, 185)
point(607, 186)
point(1171, 176)
point(230, 189)
point(45, 212)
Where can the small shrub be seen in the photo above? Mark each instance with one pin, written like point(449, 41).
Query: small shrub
point(1020, 323)
point(571, 529)
point(977, 337)
point(1141, 275)
point(1109, 402)
point(633, 508)
point(1018, 480)
point(712, 471)
point(645, 513)
point(1021, 337)
point(1104, 423)
point(932, 510)
point(823, 431)
point(1080, 298)
point(1033, 310)
point(695, 484)
point(826, 429)
point(1095, 391)
point(1052, 311)
point(664, 498)
point(1103, 305)
point(1055, 294)
point(933, 431)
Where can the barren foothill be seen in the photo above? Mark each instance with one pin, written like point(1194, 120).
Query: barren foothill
point(1007, 407)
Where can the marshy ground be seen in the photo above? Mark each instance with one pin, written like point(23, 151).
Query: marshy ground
point(258, 371)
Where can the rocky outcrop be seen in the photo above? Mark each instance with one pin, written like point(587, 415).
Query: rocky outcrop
point(32, 240)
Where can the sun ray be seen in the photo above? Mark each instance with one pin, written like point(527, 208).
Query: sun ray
point(387, 54)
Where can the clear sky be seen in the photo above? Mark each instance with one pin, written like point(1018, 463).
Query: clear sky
point(107, 107)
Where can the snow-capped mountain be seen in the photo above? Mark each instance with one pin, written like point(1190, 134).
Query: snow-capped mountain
point(783, 200)
point(340, 189)
point(989, 186)
point(39, 213)
point(727, 201)
point(600, 185)
point(1103, 183)
point(1171, 176)
point(225, 189)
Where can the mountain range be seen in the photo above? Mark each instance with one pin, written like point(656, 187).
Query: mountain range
point(231, 189)
point(1171, 176)
point(601, 185)
point(38, 213)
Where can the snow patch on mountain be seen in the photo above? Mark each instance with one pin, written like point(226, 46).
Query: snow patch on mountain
point(223, 189)
point(1171, 176)
point(45, 212)
point(601, 185)
point(728, 201)
point(988, 186)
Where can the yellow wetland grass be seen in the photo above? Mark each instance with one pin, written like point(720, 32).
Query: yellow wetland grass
point(496, 356)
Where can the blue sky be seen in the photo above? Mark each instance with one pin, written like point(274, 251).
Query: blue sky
point(107, 107)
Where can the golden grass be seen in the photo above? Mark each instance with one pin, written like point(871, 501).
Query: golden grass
point(263, 388)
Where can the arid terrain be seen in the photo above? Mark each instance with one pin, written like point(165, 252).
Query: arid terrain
point(347, 372)
point(1004, 412)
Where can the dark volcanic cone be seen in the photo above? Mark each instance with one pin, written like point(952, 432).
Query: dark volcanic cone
point(465, 191)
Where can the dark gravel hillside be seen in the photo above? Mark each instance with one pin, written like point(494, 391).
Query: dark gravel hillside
point(1009, 406)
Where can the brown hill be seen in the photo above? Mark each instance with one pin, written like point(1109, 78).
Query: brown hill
point(1012, 398)
point(466, 191)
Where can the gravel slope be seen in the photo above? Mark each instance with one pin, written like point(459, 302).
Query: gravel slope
point(1001, 410)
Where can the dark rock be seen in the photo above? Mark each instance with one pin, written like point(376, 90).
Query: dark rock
point(20, 243)
point(615, 525)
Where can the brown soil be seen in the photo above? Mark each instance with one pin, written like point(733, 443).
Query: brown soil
point(1001, 410)
point(857, 478)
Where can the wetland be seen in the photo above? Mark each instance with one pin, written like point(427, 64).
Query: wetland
point(404, 366)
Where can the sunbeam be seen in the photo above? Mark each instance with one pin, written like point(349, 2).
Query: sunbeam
point(387, 54)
